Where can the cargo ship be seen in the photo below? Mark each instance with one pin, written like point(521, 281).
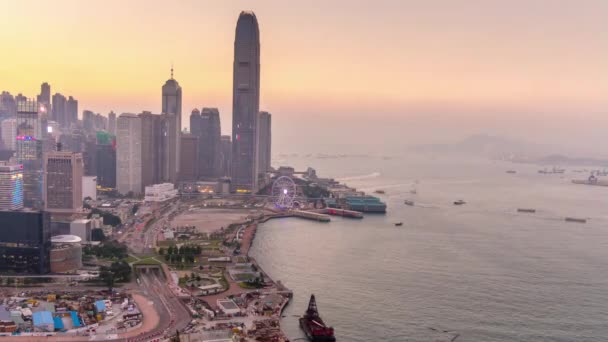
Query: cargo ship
point(313, 326)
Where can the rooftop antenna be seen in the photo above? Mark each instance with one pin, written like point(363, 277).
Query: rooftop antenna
point(171, 70)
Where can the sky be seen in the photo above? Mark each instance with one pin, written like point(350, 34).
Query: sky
point(341, 74)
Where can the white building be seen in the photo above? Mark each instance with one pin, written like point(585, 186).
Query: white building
point(128, 154)
point(82, 229)
point(160, 192)
point(11, 186)
point(9, 133)
point(89, 187)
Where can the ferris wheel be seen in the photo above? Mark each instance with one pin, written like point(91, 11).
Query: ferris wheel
point(284, 192)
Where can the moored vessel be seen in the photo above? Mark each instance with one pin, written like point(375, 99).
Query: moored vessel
point(313, 326)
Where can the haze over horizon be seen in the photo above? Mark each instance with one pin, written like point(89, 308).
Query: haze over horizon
point(341, 76)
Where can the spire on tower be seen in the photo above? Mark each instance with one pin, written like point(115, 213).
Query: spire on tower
point(171, 70)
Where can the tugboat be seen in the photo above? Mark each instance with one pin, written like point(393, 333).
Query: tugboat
point(313, 326)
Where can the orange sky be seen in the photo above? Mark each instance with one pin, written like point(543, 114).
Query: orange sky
point(340, 57)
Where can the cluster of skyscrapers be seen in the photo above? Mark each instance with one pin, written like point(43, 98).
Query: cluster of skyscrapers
point(48, 154)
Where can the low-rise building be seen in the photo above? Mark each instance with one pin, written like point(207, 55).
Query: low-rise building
point(160, 192)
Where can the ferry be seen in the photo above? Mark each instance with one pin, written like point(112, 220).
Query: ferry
point(313, 326)
point(574, 219)
point(459, 202)
point(399, 224)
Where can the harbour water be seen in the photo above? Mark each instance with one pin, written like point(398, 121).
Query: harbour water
point(477, 272)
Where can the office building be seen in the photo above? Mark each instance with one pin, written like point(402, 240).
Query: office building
point(71, 112)
point(63, 172)
point(152, 148)
point(8, 105)
point(128, 160)
point(89, 156)
point(112, 123)
point(9, 133)
point(172, 127)
point(45, 95)
point(11, 186)
point(89, 187)
point(160, 192)
point(264, 142)
point(206, 126)
point(245, 103)
point(225, 155)
point(189, 157)
point(88, 120)
point(25, 241)
point(59, 110)
point(106, 165)
point(81, 228)
point(29, 151)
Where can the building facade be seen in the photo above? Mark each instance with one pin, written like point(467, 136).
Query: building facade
point(112, 123)
point(225, 155)
point(9, 133)
point(206, 126)
point(172, 127)
point(265, 140)
point(71, 109)
point(106, 165)
point(29, 151)
point(128, 160)
point(25, 241)
point(63, 173)
point(59, 110)
point(245, 103)
point(11, 186)
point(189, 157)
point(160, 192)
point(152, 151)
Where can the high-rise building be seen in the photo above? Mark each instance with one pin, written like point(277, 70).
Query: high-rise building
point(71, 111)
point(29, 151)
point(63, 172)
point(172, 110)
point(25, 241)
point(8, 105)
point(128, 160)
point(88, 120)
point(245, 103)
point(189, 157)
point(45, 94)
point(152, 151)
point(20, 98)
point(206, 126)
point(112, 123)
point(59, 110)
point(106, 165)
point(225, 155)
point(89, 156)
point(11, 186)
point(9, 133)
point(264, 142)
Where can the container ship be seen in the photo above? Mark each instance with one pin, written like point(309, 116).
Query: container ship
point(313, 326)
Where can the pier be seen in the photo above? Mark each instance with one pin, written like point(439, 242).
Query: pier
point(311, 215)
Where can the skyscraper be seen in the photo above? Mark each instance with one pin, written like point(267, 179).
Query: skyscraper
point(88, 120)
point(206, 126)
point(225, 155)
point(45, 95)
point(172, 127)
point(59, 110)
point(128, 160)
point(106, 165)
point(63, 172)
point(29, 151)
point(11, 186)
point(264, 138)
point(112, 123)
point(188, 170)
point(8, 105)
point(71, 111)
point(152, 151)
point(245, 103)
point(9, 133)
point(25, 241)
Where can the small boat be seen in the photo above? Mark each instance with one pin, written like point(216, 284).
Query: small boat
point(525, 210)
point(399, 224)
point(459, 202)
point(511, 171)
point(575, 219)
point(382, 192)
point(408, 202)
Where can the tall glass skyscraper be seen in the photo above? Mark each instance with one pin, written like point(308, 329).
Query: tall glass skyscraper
point(245, 103)
point(172, 128)
point(29, 150)
point(11, 186)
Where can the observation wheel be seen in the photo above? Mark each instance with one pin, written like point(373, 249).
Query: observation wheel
point(284, 192)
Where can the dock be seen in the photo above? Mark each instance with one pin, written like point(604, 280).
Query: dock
point(343, 213)
point(309, 215)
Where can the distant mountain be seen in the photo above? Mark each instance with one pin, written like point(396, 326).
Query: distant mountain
point(482, 145)
point(558, 159)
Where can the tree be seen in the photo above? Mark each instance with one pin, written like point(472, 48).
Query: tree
point(161, 251)
point(98, 235)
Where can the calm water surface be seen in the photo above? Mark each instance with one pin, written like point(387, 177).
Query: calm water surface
point(479, 272)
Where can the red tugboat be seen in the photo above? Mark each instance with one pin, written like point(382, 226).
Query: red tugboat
point(313, 326)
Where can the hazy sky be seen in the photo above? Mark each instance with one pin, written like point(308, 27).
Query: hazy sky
point(351, 72)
